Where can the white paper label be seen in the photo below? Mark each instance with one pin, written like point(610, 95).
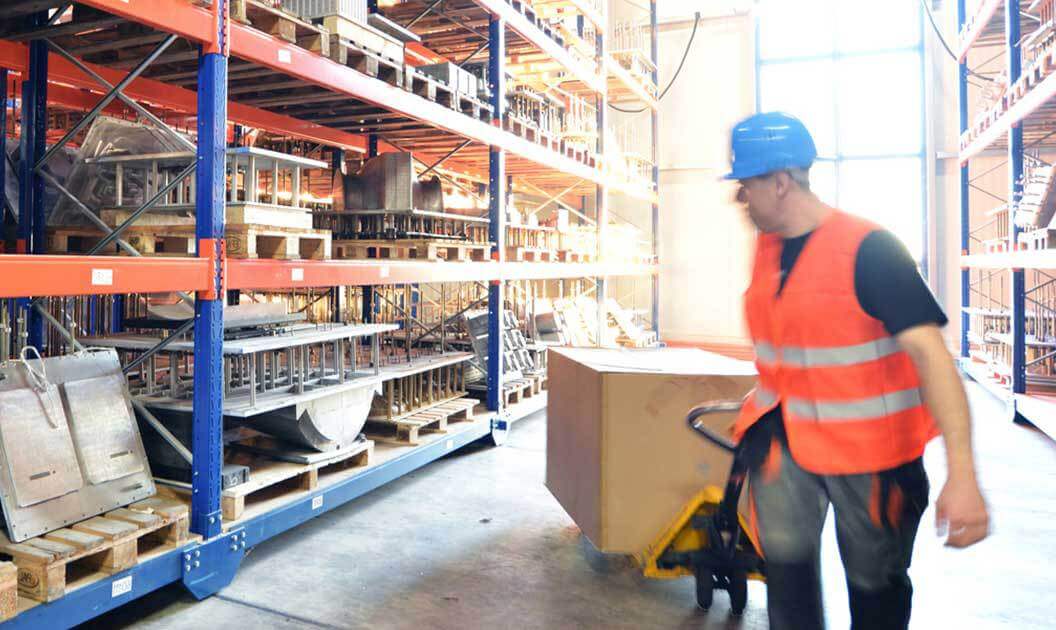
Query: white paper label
point(449, 445)
point(297, 274)
point(317, 502)
point(102, 277)
point(120, 587)
point(285, 56)
point(384, 273)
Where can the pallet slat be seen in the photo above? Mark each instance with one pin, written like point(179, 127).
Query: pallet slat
point(102, 544)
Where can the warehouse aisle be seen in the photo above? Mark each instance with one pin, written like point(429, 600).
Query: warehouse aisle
point(476, 541)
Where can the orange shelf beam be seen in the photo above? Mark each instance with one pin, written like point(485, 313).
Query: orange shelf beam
point(288, 274)
point(33, 275)
point(66, 76)
point(194, 23)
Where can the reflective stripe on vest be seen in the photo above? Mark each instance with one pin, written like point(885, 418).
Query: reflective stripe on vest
point(862, 409)
point(839, 355)
point(794, 356)
point(765, 352)
point(765, 397)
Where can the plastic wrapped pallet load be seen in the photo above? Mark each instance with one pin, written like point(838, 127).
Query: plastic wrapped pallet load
point(620, 457)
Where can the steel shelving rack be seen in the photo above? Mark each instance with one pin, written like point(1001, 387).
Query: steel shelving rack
point(1019, 120)
point(50, 76)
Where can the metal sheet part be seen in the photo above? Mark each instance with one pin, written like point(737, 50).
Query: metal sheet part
point(323, 424)
point(42, 462)
point(58, 434)
point(103, 428)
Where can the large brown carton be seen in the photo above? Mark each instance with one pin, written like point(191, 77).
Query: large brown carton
point(620, 457)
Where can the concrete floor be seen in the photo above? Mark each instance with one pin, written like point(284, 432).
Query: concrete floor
point(476, 541)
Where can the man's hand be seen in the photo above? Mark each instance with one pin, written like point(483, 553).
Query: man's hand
point(961, 512)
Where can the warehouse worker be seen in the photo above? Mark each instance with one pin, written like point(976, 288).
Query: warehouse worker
point(854, 380)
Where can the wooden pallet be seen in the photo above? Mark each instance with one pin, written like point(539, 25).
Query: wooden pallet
point(101, 545)
point(411, 249)
point(8, 590)
point(433, 419)
point(282, 24)
point(538, 383)
point(437, 91)
point(576, 257)
point(372, 64)
point(516, 390)
point(530, 254)
point(269, 478)
point(243, 241)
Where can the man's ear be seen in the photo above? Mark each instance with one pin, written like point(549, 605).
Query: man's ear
point(783, 181)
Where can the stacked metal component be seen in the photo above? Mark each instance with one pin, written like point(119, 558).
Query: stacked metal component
point(349, 9)
point(385, 200)
point(308, 384)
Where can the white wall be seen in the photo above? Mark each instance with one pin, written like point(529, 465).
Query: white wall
point(705, 242)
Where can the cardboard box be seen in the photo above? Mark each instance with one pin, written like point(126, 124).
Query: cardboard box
point(620, 457)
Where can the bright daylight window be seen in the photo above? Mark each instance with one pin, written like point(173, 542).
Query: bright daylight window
point(822, 60)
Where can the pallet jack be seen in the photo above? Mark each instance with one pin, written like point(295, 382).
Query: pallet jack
point(709, 539)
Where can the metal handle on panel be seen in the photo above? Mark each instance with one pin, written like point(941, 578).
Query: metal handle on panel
point(722, 406)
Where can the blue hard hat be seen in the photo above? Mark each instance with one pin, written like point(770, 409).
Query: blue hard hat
point(768, 142)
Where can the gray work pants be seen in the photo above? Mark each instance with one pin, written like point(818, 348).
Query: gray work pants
point(876, 521)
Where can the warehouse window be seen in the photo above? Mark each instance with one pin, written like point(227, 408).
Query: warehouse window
point(854, 74)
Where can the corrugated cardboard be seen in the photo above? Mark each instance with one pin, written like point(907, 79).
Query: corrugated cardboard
point(621, 459)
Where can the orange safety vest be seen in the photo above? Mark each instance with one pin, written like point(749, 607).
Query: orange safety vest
point(850, 397)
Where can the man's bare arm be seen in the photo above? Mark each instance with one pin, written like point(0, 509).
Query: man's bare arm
point(960, 503)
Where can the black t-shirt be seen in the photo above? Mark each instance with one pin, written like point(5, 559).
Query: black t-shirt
point(887, 282)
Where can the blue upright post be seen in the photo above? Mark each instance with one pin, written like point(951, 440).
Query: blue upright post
point(206, 439)
point(1015, 171)
point(496, 209)
point(338, 164)
point(117, 314)
point(654, 55)
point(31, 184)
point(601, 203)
point(368, 292)
point(966, 278)
point(3, 140)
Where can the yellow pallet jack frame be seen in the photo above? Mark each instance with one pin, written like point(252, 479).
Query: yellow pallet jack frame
point(709, 539)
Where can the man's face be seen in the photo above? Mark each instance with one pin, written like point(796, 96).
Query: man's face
point(760, 197)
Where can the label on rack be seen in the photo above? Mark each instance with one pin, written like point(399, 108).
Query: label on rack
point(120, 587)
point(297, 274)
point(449, 445)
point(384, 272)
point(285, 56)
point(317, 502)
point(102, 277)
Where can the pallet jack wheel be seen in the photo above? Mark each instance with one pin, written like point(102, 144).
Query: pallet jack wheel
point(738, 590)
point(705, 589)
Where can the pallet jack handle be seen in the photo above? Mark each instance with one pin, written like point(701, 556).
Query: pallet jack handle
point(697, 424)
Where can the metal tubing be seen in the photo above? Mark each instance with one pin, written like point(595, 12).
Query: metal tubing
point(449, 154)
point(163, 431)
point(601, 203)
point(3, 149)
point(31, 189)
point(654, 56)
point(424, 13)
point(164, 190)
point(1015, 191)
point(142, 111)
point(496, 212)
point(107, 99)
point(184, 328)
point(207, 406)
